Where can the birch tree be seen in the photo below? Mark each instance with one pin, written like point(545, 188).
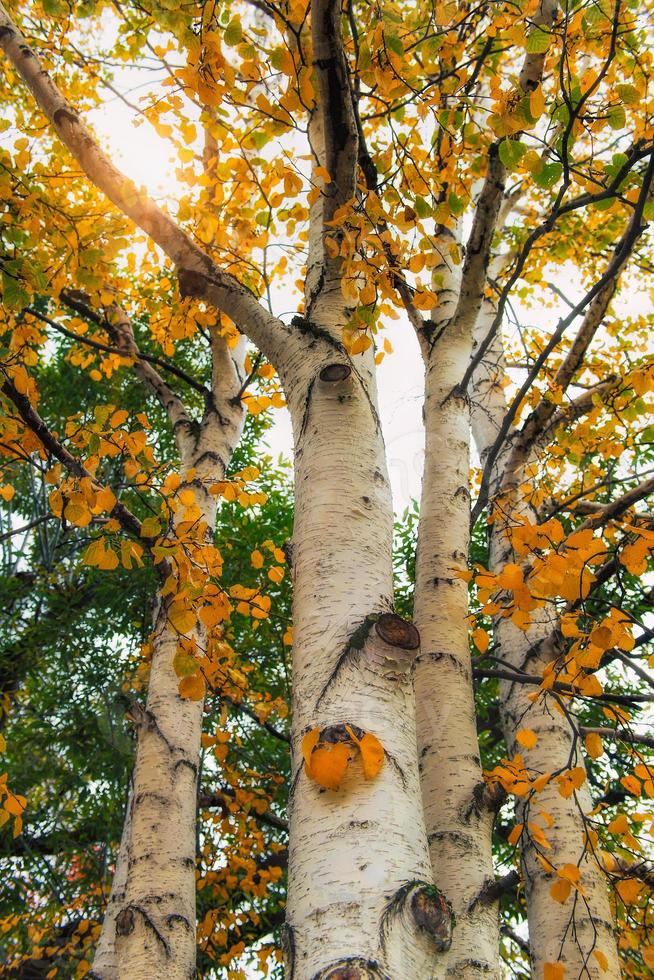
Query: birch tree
point(453, 166)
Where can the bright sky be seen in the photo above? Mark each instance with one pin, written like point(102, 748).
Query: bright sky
point(147, 159)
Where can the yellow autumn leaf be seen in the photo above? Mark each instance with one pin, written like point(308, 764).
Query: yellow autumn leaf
point(181, 617)
point(536, 103)
point(328, 764)
point(276, 574)
point(619, 825)
point(560, 890)
point(602, 959)
point(192, 687)
point(594, 745)
point(77, 514)
point(527, 738)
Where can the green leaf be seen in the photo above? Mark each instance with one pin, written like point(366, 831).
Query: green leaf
point(13, 294)
point(549, 175)
point(511, 153)
point(394, 43)
point(616, 117)
point(538, 41)
point(628, 94)
point(421, 207)
point(233, 33)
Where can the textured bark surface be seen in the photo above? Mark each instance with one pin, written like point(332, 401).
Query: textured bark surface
point(569, 932)
point(351, 849)
point(458, 821)
point(149, 927)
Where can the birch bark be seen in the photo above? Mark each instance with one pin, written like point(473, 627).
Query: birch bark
point(149, 929)
point(457, 815)
point(568, 933)
point(358, 854)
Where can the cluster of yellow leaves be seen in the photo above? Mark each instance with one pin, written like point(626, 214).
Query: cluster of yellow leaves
point(234, 489)
point(327, 753)
point(275, 572)
point(515, 777)
point(13, 804)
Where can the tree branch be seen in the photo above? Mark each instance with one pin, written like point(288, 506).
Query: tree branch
point(198, 274)
point(538, 418)
point(33, 421)
point(341, 139)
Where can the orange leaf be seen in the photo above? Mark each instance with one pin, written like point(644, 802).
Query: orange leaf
point(13, 805)
point(328, 764)
point(602, 959)
point(527, 738)
point(480, 639)
point(309, 742)
point(515, 834)
point(619, 825)
point(372, 752)
point(628, 889)
point(570, 872)
point(594, 745)
point(631, 785)
point(553, 971)
point(192, 687)
point(560, 890)
point(372, 755)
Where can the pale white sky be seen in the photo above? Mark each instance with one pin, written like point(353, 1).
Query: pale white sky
point(147, 159)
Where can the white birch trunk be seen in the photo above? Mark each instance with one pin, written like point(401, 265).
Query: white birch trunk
point(351, 849)
point(567, 933)
point(456, 813)
point(149, 928)
point(105, 965)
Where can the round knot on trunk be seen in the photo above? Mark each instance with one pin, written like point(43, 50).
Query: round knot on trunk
point(397, 632)
point(125, 922)
point(353, 968)
point(333, 373)
point(433, 914)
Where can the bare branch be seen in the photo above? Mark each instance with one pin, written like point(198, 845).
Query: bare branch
point(520, 678)
point(540, 415)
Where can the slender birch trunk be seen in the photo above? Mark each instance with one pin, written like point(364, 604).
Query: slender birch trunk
point(568, 933)
point(149, 928)
point(358, 858)
point(457, 813)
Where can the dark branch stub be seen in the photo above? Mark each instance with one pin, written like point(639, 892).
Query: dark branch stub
point(353, 968)
point(336, 372)
point(432, 914)
point(125, 922)
point(397, 632)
